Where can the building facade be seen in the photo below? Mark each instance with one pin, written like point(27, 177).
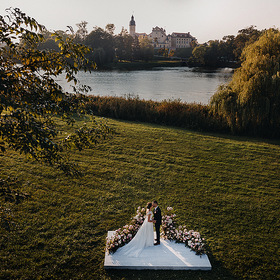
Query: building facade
point(159, 38)
point(181, 40)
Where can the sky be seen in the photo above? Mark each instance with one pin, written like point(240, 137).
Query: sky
point(204, 19)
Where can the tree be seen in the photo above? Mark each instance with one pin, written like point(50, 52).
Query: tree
point(110, 28)
point(199, 53)
point(31, 98)
point(82, 32)
point(101, 39)
point(217, 53)
point(212, 56)
point(124, 45)
point(146, 51)
point(166, 52)
point(245, 37)
point(227, 48)
point(251, 101)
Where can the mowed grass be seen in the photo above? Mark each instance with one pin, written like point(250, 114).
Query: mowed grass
point(225, 187)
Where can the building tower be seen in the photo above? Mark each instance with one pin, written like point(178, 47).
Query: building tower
point(132, 26)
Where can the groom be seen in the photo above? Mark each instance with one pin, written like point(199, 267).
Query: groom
point(157, 221)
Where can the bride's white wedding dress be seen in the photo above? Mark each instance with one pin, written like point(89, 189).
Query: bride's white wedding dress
point(143, 238)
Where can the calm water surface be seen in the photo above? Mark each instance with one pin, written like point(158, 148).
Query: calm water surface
point(163, 83)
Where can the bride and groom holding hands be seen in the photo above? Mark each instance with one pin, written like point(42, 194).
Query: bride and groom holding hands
point(145, 235)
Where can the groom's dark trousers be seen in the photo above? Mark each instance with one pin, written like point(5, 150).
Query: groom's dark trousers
point(157, 217)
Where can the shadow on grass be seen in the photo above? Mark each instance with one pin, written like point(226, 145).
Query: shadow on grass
point(227, 136)
point(241, 138)
point(217, 272)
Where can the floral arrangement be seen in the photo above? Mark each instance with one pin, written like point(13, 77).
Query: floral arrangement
point(124, 235)
point(180, 234)
point(170, 231)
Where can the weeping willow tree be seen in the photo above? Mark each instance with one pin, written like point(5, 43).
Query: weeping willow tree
point(250, 102)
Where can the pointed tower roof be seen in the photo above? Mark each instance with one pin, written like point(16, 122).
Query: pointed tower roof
point(132, 21)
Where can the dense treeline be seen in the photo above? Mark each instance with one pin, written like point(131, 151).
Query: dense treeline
point(225, 52)
point(108, 47)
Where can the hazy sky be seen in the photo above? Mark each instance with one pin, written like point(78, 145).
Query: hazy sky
point(204, 19)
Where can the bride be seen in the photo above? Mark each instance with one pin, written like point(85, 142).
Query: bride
point(143, 238)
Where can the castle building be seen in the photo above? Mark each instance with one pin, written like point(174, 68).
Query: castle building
point(132, 27)
point(161, 40)
point(181, 40)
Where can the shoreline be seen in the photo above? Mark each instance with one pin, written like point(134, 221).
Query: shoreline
point(148, 65)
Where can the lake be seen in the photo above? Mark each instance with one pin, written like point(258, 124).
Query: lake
point(184, 83)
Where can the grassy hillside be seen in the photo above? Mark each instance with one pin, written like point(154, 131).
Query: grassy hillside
point(225, 187)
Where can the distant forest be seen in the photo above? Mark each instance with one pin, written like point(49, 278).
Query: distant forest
point(108, 47)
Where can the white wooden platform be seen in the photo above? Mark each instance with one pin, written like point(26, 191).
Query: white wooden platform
point(168, 256)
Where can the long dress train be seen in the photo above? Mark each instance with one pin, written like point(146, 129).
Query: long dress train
point(143, 238)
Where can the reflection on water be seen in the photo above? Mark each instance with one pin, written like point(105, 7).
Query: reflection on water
point(187, 84)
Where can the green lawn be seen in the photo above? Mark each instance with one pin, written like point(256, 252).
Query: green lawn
point(225, 187)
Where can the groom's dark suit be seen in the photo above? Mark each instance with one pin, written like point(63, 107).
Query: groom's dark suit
point(157, 217)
